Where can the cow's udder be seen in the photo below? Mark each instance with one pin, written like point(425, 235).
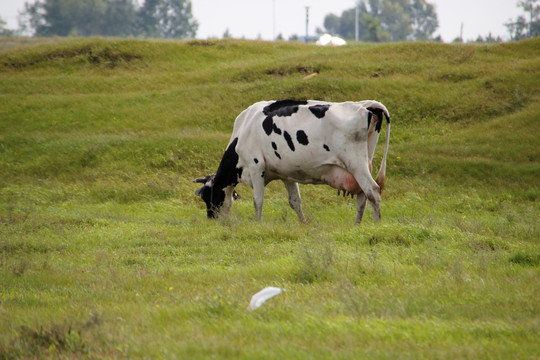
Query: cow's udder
point(341, 179)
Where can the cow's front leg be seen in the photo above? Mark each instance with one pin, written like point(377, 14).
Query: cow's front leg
point(295, 201)
point(257, 182)
point(227, 203)
point(360, 207)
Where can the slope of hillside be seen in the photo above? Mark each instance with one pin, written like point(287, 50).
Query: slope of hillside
point(105, 251)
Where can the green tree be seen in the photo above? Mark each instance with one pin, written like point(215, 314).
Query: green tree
point(147, 22)
point(522, 27)
point(369, 26)
point(424, 20)
point(155, 18)
point(80, 17)
point(386, 20)
point(167, 19)
point(332, 24)
point(396, 19)
point(119, 18)
point(517, 28)
point(30, 18)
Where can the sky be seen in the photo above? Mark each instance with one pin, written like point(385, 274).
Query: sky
point(265, 19)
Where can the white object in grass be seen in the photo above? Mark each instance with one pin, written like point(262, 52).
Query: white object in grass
point(259, 298)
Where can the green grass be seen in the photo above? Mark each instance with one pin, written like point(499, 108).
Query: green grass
point(105, 251)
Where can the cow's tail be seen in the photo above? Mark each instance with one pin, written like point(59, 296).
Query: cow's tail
point(381, 176)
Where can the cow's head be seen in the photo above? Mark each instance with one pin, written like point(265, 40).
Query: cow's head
point(212, 196)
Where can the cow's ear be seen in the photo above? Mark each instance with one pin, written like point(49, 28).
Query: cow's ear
point(201, 180)
point(199, 192)
point(207, 180)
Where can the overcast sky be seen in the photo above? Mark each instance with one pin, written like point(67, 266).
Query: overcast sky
point(255, 18)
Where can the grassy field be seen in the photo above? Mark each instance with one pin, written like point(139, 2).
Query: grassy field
point(105, 251)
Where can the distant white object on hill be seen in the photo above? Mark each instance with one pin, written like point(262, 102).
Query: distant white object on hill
point(329, 40)
point(259, 298)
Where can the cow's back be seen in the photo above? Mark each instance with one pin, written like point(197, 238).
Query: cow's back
point(298, 141)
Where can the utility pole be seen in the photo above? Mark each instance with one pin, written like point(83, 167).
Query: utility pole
point(356, 36)
point(307, 23)
point(531, 19)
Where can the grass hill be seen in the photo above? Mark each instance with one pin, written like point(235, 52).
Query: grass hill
point(105, 251)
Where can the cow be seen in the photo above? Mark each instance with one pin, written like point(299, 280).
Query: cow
point(308, 142)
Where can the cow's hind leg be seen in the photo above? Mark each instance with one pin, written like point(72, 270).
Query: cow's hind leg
point(375, 202)
point(360, 207)
point(371, 191)
point(295, 201)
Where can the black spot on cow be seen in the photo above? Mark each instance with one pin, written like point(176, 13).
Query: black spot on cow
point(379, 113)
point(301, 137)
point(289, 140)
point(262, 174)
point(276, 129)
point(238, 174)
point(369, 116)
point(326, 147)
point(277, 154)
point(268, 125)
point(274, 145)
point(283, 107)
point(319, 110)
point(255, 160)
point(279, 108)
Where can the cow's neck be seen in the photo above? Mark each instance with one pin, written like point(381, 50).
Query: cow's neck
point(227, 174)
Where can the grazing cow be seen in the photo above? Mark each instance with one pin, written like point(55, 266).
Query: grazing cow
point(309, 142)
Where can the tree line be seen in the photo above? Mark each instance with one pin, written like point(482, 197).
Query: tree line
point(410, 20)
point(123, 18)
point(385, 20)
point(371, 20)
point(525, 26)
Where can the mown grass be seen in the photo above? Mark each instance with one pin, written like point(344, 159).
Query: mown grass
point(105, 251)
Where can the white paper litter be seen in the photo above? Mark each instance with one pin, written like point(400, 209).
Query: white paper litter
point(259, 298)
point(329, 40)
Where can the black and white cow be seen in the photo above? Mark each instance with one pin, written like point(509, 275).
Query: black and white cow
point(309, 142)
